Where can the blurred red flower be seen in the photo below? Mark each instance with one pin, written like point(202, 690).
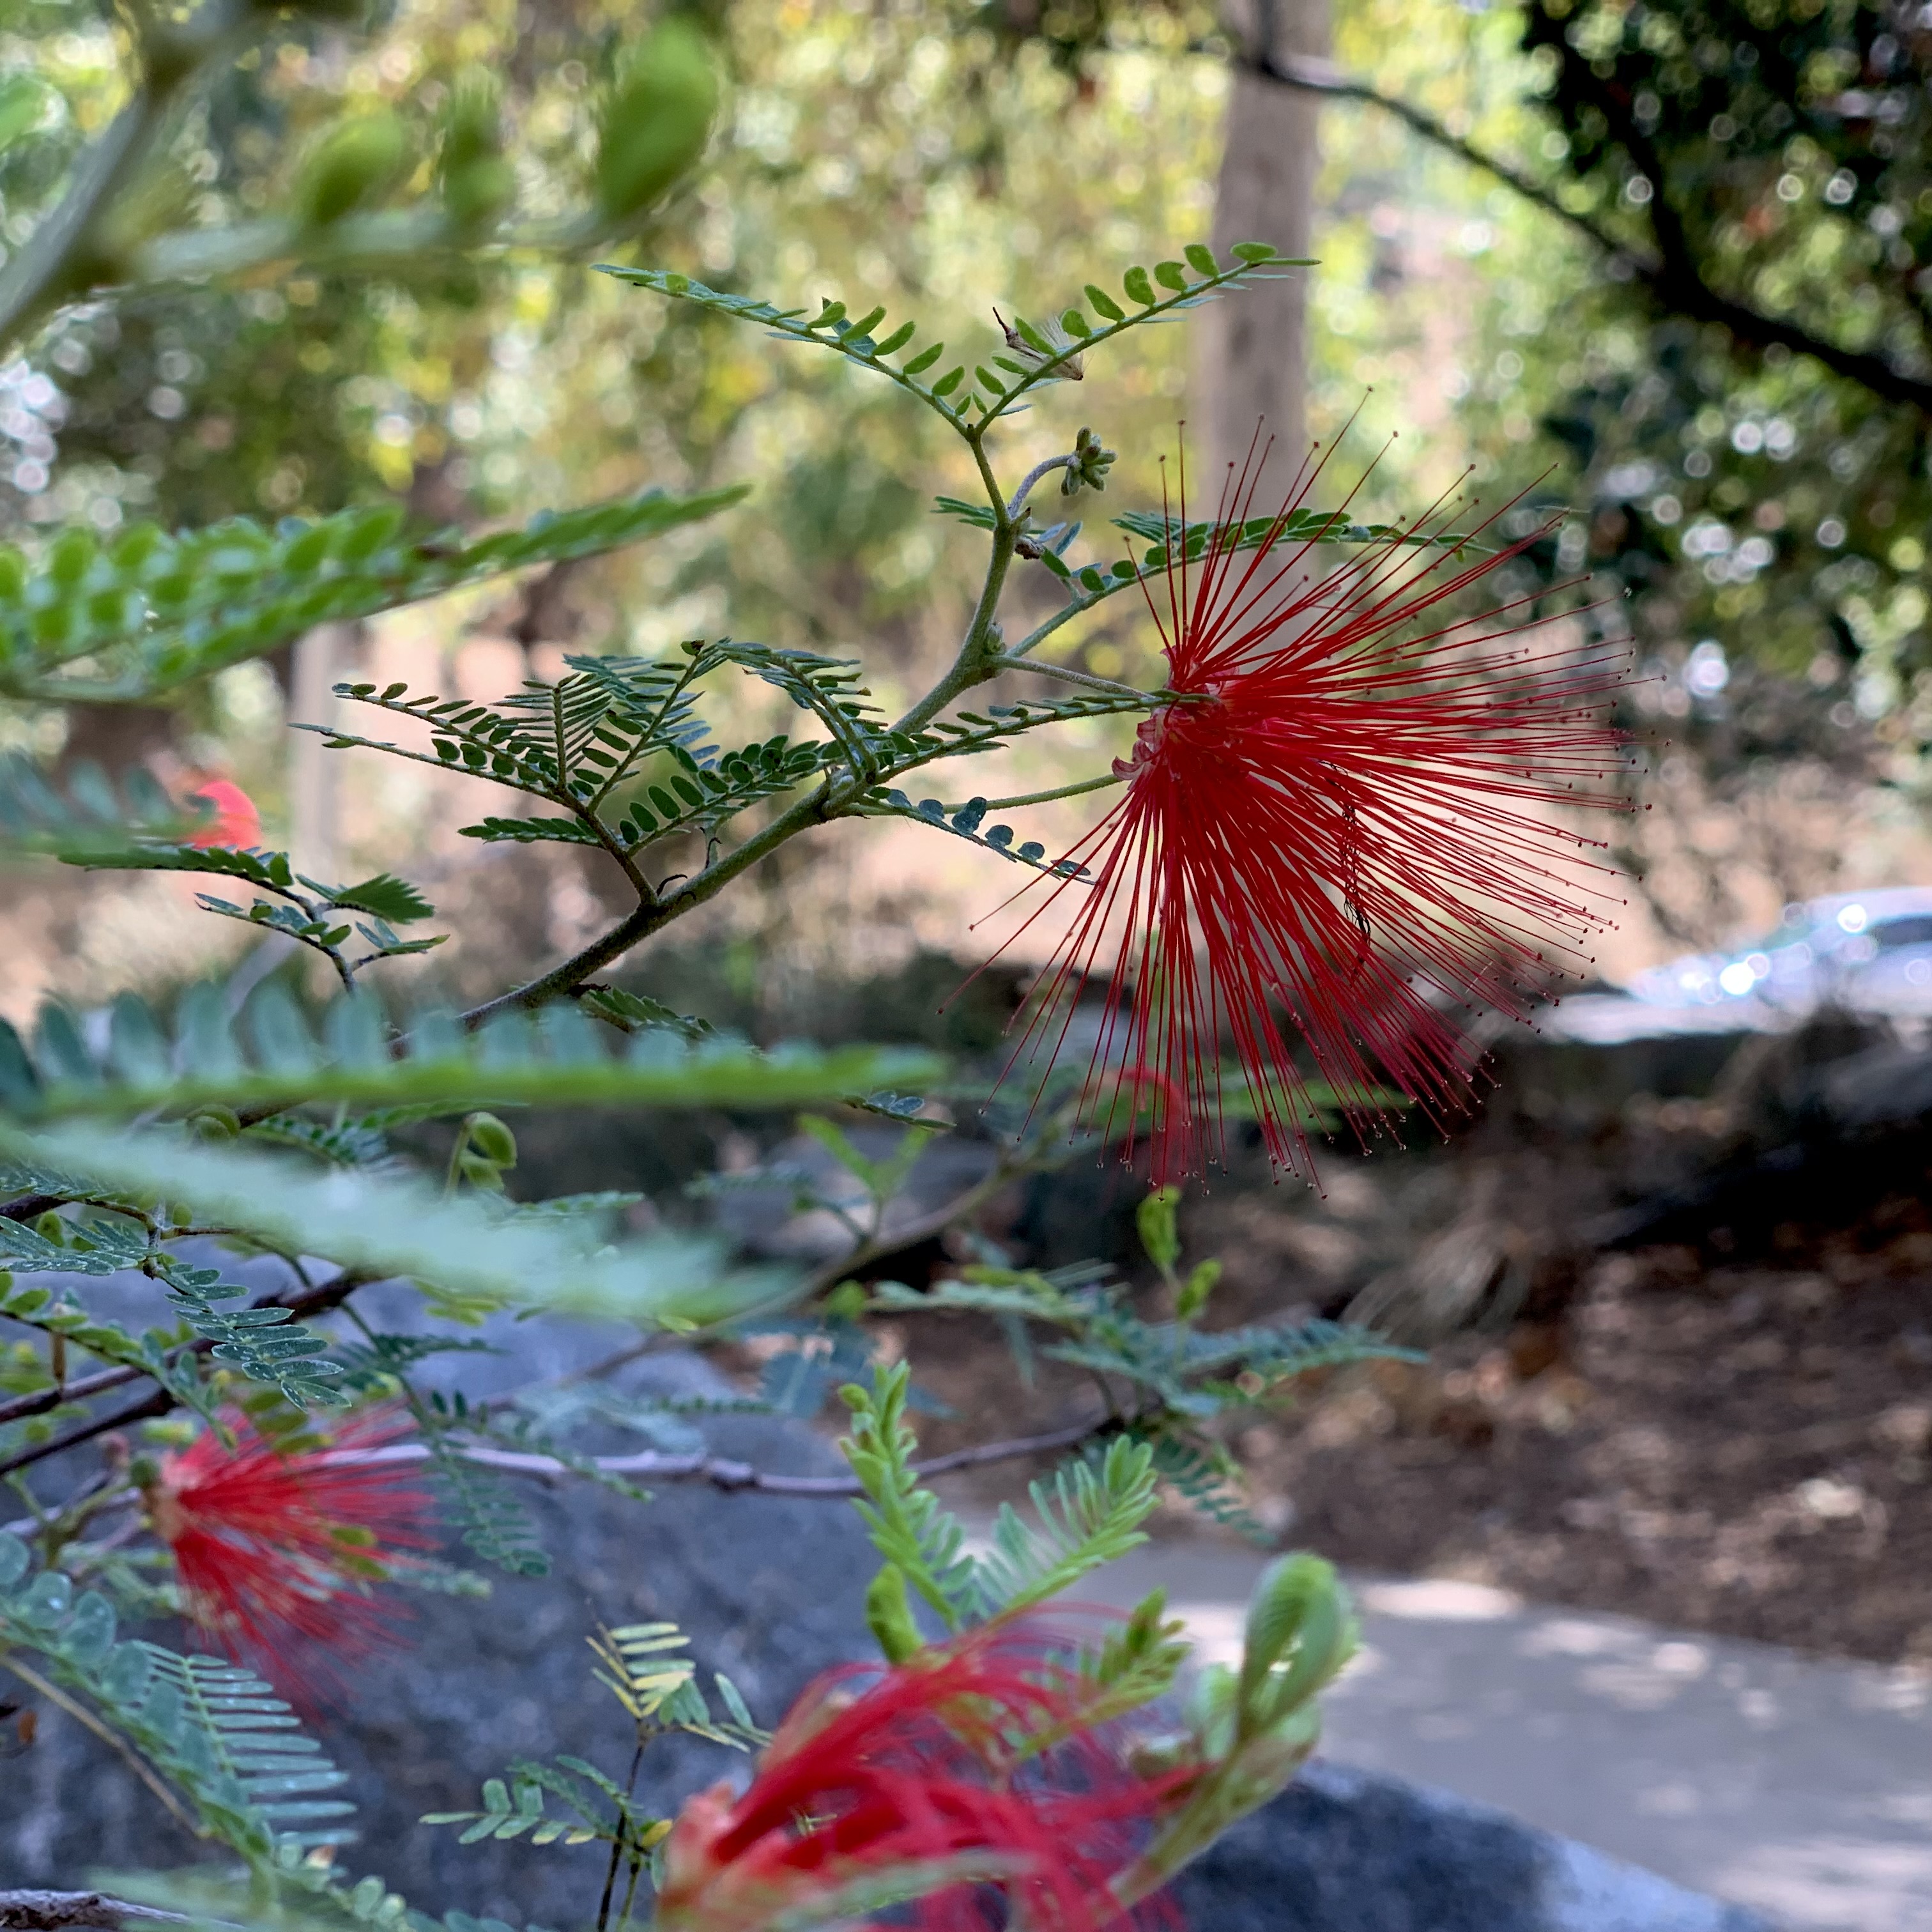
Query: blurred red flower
point(1349, 820)
point(279, 1551)
point(236, 825)
point(978, 1763)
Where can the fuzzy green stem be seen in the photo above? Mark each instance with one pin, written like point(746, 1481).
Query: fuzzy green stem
point(1066, 614)
point(1035, 475)
point(563, 979)
point(1112, 686)
point(980, 650)
point(1044, 797)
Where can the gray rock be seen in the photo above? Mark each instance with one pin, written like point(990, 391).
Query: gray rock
point(1351, 1851)
point(771, 1590)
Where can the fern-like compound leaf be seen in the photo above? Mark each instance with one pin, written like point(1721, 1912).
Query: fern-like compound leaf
point(831, 329)
point(89, 822)
point(266, 1345)
point(485, 1510)
point(130, 618)
point(1086, 1516)
point(925, 1543)
point(155, 1353)
point(964, 822)
point(270, 1057)
point(514, 1811)
point(1210, 1483)
point(465, 1255)
point(966, 733)
point(213, 1730)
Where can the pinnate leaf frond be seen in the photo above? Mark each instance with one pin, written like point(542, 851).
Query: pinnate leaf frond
point(122, 619)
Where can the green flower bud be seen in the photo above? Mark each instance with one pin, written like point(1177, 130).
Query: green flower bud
point(492, 1140)
point(656, 118)
point(24, 102)
point(477, 182)
point(354, 165)
point(846, 1302)
point(1195, 1290)
point(1155, 1219)
point(889, 1614)
point(481, 1173)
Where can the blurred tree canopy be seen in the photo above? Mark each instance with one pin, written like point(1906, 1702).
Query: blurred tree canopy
point(1668, 252)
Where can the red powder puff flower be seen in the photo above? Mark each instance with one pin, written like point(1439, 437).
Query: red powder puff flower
point(976, 1765)
point(277, 1553)
point(1348, 820)
point(236, 825)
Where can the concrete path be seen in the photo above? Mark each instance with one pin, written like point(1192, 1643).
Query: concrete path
point(1803, 1788)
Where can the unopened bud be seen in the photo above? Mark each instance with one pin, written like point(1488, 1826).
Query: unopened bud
point(356, 163)
point(1195, 1290)
point(656, 119)
point(481, 1173)
point(492, 1140)
point(889, 1616)
point(846, 1302)
point(477, 182)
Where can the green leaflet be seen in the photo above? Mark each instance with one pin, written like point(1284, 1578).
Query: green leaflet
point(490, 1515)
point(509, 1812)
point(153, 1354)
point(1179, 1377)
point(149, 611)
point(925, 1543)
point(965, 823)
point(265, 1344)
point(594, 743)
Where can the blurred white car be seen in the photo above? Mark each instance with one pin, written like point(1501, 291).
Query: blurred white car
point(1871, 952)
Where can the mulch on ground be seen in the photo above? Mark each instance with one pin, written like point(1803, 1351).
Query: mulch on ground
point(1741, 1448)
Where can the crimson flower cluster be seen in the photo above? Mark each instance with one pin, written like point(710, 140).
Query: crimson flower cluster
point(977, 1767)
point(279, 1552)
point(234, 823)
point(1352, 816)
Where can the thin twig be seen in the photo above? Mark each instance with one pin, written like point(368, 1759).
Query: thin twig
point(310, 1302)
point(58, 1911)
point(724, 1473)
point(30, 1207)
point(157, 1403)
point(1086, 679)
point(1310, 76)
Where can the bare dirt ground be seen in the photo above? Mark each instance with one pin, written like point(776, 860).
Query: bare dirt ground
point(1732, 1436)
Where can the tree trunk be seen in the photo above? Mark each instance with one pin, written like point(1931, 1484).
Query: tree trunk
point(1253, 345)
